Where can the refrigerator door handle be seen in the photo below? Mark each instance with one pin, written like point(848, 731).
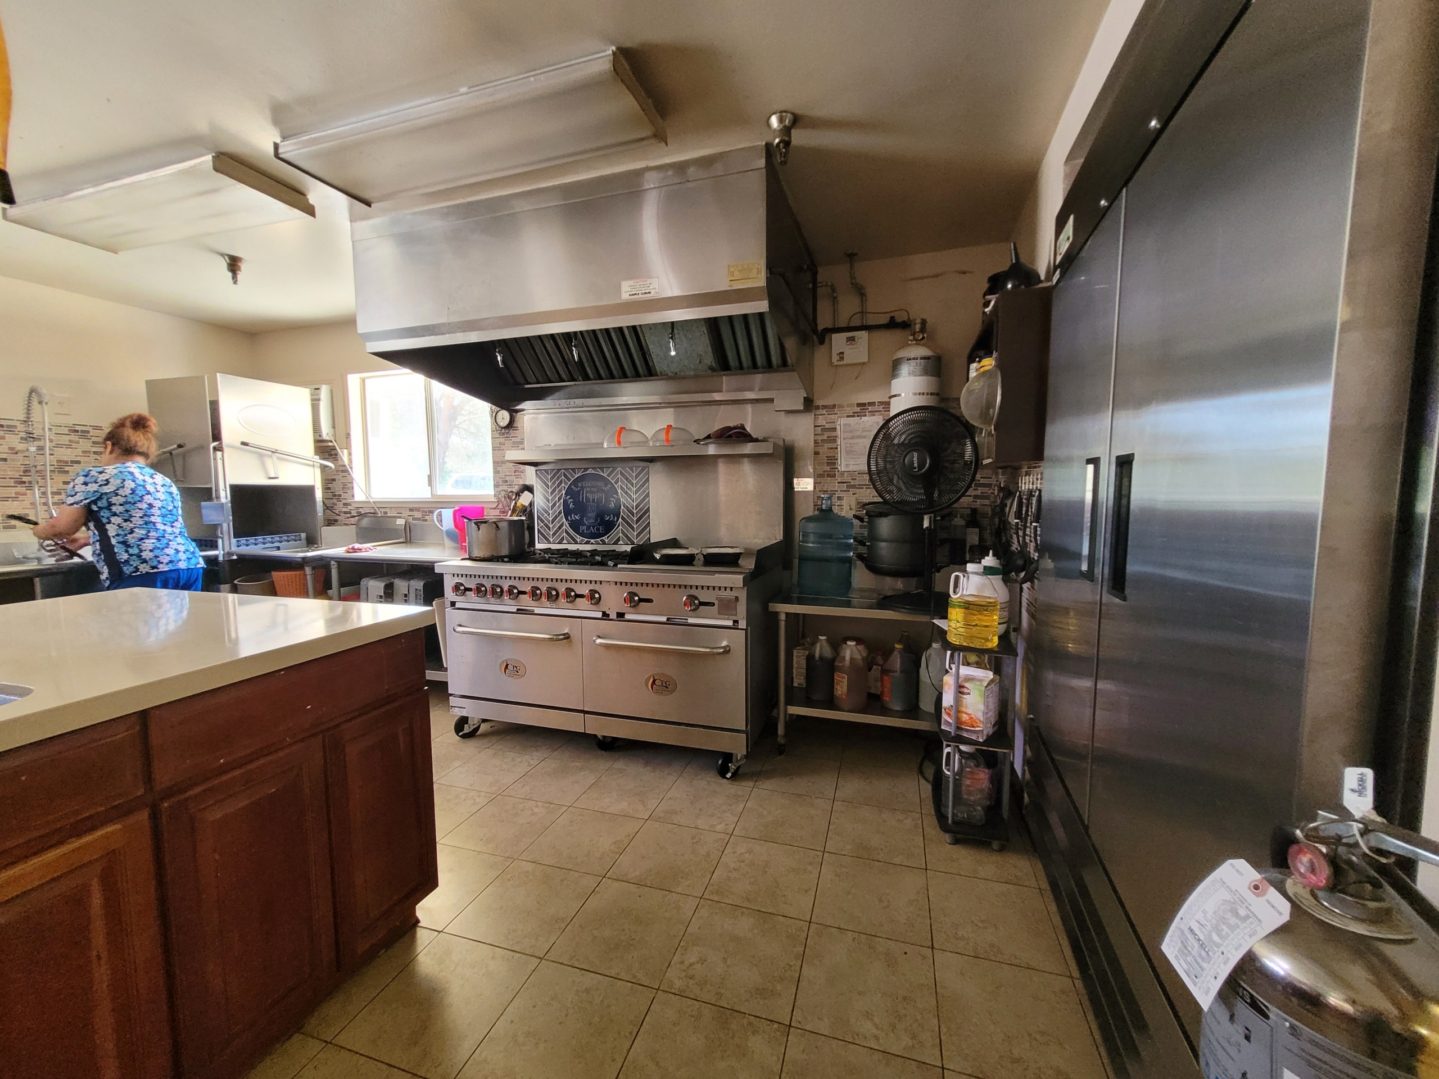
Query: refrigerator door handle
point(1118, 569)
point(1089, 535)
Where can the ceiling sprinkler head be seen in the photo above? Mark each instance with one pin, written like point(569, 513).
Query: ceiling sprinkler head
point(782, 124)
point(233, 265)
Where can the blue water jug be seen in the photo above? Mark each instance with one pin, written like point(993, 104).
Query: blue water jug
point(826, 552)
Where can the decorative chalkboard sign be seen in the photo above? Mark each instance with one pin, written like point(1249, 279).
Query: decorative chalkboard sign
point(592, 505)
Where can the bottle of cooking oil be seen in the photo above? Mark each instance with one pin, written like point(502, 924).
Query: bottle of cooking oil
point(973, 610)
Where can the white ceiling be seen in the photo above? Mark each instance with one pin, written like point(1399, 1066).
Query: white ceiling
point(922, 121)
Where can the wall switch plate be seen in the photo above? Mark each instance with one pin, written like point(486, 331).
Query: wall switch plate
point(849, 349)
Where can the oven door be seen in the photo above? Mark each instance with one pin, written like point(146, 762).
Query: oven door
point(525, 658)
point(677, 674)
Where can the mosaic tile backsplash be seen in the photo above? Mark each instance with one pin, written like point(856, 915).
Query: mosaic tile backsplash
point(73, 446)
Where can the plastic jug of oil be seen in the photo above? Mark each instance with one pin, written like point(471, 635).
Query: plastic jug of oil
point(973, 610)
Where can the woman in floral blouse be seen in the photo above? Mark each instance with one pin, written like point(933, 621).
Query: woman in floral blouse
point(132, 513)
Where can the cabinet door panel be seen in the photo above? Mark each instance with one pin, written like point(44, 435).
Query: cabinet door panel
point(247, 876)
point(383, 820)
point(82, 973)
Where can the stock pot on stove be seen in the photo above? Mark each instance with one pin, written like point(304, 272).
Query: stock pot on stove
point(488, 538)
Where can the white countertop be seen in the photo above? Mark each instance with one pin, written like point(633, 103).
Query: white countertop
point(94, 657)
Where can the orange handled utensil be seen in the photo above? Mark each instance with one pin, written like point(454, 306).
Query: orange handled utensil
point(7, 193)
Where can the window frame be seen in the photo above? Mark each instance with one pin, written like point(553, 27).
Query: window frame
point(360, 446)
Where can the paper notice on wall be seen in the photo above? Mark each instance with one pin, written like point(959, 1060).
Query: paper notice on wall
point(855, 436)
point(1220, 921)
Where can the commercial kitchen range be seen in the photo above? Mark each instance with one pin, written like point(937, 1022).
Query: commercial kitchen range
point(675, 654)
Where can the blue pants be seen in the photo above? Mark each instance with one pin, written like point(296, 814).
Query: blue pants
point(182, 580)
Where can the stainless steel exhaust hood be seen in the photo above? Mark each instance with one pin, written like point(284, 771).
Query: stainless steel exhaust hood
point(691, 268)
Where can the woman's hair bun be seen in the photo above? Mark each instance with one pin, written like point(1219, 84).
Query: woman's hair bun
point(139, 422)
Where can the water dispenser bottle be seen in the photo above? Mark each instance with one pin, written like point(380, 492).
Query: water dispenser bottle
point(826, 552)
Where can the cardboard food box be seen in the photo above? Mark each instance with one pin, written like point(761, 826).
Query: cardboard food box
point(971, 702)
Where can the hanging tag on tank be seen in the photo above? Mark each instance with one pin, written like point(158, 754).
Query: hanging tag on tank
point(1358, 793)
point(1220, 921)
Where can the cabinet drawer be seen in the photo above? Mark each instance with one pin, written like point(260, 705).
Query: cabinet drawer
point(211, 732)
point(56, 784)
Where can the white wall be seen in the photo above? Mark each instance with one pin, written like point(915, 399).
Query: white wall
point(1034, 231)
point(944, 287)
point(94, 355)
point(313, 355)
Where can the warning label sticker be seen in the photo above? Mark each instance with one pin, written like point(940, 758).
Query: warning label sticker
point(637, 288)
point(745, 274)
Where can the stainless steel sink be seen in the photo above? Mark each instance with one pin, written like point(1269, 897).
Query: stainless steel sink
point(10, 692)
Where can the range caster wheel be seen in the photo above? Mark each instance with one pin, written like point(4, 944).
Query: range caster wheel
point(952, 840)
point(467, 726)
point(726, 766)
point(605, 743)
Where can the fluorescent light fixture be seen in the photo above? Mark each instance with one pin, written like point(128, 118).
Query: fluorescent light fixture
point(208, 195)
point(562, 113)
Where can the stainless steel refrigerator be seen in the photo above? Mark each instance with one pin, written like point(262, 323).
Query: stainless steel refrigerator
point(1231, 353)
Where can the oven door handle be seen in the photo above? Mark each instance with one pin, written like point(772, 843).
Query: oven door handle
point(682, 649)
point(513, 634)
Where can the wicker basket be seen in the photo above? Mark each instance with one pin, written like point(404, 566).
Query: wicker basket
point(291, 582)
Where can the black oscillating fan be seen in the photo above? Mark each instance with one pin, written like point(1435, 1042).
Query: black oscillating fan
point(922, 460)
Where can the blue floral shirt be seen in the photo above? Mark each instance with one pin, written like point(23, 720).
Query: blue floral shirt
point(136, 511)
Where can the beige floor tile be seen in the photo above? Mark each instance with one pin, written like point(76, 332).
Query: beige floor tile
point(453, 805)
point(559, 781)
point(877, 783)
point(336, 1063)
point(684, 1039)
point(1006, 922)
point(884, 835)
point(536, 743)
point(583, 840)
point(1014, 865)
point(673, 759)
point(564, 1023)
point(738, 958)
point(669, 856)
point(796, 819)
point(504, 825)
point(813, 1056)
point(442, 724)
point(448, 754)
point(287, 1058)
point(431, 1017)
point(772, 877)
point(365, 984)
point(525, 908)
point(626, 931)
point(633, 790)
point(463, 875)
point(491, 771)
point(988, 1015)
point(878, 993)
point(790, 774)
point(808, 737)
point(880, 898)
point(698, 803)
point(1058, 923)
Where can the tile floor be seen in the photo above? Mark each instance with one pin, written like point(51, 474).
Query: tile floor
point(632, 914)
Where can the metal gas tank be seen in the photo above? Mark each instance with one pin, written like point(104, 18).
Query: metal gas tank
point(1320, 998)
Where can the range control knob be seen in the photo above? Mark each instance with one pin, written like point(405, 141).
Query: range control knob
point(634, 599)
point(692, 602)
point(593, 596)
point(497, 591)
point(459, 588)
point(571, 595)
point(536, 593)
point(552, 594)
point(514, 591)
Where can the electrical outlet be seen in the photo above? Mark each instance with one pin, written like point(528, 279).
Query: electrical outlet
point(849, 349)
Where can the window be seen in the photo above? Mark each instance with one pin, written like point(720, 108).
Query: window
point(418, 440)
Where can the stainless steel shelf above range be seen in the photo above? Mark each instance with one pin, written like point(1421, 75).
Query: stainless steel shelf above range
point(552, 454)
